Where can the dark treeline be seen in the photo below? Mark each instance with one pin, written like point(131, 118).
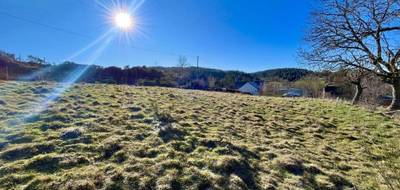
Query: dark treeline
point(288, 74)
point(34, 69)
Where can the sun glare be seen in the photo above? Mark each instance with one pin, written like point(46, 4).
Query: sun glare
point(123, 20)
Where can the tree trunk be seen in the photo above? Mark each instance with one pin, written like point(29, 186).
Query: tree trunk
point(357, 95)
point(395, 105)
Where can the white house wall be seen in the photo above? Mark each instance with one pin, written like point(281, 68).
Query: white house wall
point(248, 88)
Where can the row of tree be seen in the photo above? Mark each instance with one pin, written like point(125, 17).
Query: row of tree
point(182, 76)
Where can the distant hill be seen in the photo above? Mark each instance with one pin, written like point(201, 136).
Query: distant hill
point(187, 77)
point(10, 67)
point(289, 74)
point(223, 79)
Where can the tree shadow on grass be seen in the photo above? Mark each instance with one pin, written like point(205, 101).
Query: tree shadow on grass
point(168, 133)
point(25, 152)
point(211, 144)
point(239, 167)
point(243, 170)
point(45, 164)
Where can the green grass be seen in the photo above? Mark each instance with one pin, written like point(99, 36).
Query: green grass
point(121, 137)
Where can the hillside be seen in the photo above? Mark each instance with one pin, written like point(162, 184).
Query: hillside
point(11, 68)
point(36, 69)
point(289, 74)
point(122, 137)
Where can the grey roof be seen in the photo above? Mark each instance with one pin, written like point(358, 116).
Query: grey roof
point(256, 85)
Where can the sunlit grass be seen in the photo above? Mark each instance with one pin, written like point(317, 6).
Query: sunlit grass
point(116, 136)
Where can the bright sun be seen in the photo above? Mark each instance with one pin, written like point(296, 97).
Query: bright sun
point(123, 20)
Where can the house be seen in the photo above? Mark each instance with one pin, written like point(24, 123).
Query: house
point(253, 88)
point(330, 90)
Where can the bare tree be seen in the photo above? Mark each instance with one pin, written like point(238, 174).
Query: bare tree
point(312, 85)
point(182, 63)
point(358, 78)
point(358, 34)
point(37, 60)
point(375, 91)
point(275, 88)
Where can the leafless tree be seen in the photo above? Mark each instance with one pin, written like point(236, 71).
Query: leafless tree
point(274, 88)
point(358, 78)
point(312, 85)
point(182, 63)
point(358, 34)
point(374, 91)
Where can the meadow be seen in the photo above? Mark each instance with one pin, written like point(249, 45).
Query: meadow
point(98, 136)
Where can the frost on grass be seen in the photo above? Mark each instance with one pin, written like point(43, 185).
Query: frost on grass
point(120, 137)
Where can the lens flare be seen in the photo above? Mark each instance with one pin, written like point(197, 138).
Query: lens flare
point(66, 84)
point(123, 20)
point(124, 16)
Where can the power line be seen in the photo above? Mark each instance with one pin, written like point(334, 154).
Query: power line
point(6, 72)
point(44, 25)
point(162, 52)
point(83, 35)
point(197, 67)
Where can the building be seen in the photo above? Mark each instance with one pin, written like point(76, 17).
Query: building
point(253, 88)
point(330, 91)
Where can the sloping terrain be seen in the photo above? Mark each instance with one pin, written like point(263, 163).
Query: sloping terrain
point(121, 137)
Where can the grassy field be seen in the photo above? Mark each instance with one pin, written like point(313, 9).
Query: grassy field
point(121, 137)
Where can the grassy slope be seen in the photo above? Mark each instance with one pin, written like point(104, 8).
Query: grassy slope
point(105, 136)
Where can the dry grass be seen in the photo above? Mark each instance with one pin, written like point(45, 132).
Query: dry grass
point(121, 137)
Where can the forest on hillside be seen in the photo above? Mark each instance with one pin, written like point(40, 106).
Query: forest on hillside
point(34, 69)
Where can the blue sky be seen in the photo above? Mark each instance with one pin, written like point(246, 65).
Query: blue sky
point(246, 35)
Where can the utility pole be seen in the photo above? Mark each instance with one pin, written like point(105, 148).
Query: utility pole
point(198, 59)
point(6, 72)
